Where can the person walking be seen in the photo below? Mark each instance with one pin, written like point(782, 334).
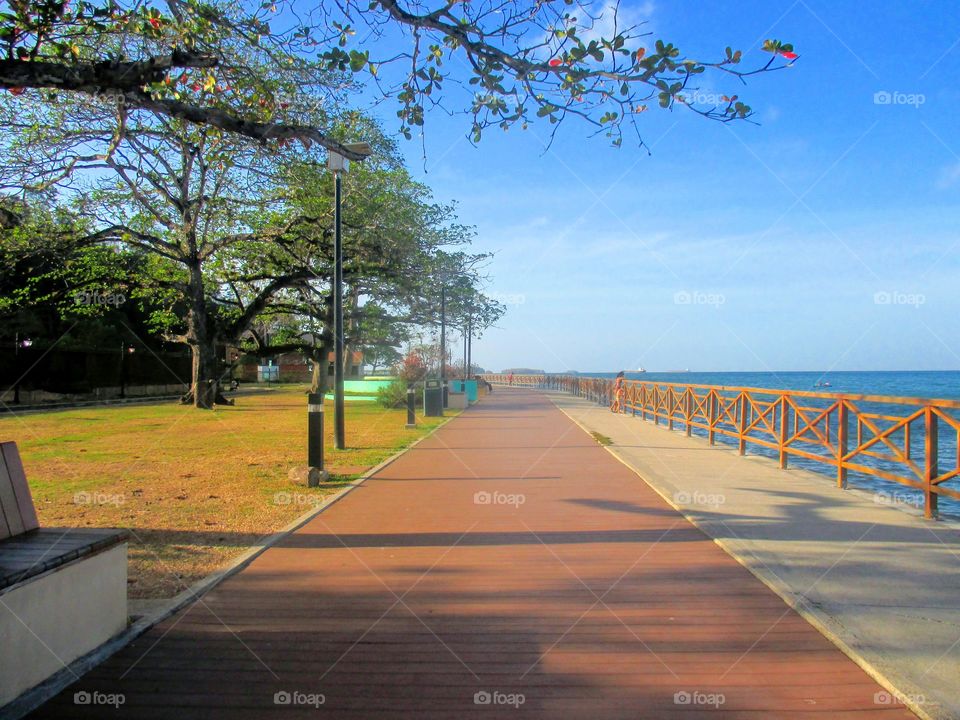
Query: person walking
point(510, 379)
point(619, 390)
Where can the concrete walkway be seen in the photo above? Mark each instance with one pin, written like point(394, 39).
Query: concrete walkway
point(882, 582)
point(508, 566)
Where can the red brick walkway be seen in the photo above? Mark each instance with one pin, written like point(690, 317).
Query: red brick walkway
point(506, 558)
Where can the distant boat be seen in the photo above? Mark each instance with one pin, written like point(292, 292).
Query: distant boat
point(639, 370)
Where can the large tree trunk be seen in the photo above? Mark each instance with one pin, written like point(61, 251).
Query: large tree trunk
point(204, 385)
point(321, 366)
point(347, 361)
point(320, 382)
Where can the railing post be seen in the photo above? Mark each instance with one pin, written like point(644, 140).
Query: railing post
point(784, 427)
point(712, 422)
point(932, 470)
point(841, 442)
point(689, 410)
point(670, 399)
point(742, 425)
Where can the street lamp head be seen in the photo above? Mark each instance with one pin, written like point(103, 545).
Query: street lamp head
point(361, 148)
point(338, 163)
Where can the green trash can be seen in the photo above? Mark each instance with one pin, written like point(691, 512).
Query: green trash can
point(432, 398)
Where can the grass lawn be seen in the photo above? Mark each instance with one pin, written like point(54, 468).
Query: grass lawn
point(194, 487)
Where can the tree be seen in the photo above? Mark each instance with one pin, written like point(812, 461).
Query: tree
point(414, 367)
point(194, 202)
point(523, 60)
point(395, 240)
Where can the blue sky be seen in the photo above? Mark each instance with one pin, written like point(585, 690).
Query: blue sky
point(825, 239)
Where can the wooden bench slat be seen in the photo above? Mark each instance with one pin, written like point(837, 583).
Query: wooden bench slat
point(11, 523)
point(27, 556)
point(21, 489)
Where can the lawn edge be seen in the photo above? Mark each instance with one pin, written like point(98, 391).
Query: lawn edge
point(70, 673)
point(820, 622)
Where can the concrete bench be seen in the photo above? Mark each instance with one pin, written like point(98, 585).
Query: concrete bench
point(63, 591)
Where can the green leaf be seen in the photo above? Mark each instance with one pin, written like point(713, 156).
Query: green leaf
point(358, 60)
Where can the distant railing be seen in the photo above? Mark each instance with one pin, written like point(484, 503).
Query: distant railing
point(911, 441)
point(535, 381)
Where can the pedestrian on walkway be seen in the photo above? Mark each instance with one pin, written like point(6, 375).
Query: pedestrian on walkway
point(510, 379)
point(618, 393)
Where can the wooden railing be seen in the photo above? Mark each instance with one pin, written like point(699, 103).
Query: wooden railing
point(536, 381)
point(910, 441)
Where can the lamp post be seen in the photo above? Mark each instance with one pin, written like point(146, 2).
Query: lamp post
point(337, 164)
point(443, 342)
point(470, 345)
point(124, 351)
point(18, 343)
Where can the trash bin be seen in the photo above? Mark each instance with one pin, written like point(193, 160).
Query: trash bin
point(432, 398)
point(457, 400)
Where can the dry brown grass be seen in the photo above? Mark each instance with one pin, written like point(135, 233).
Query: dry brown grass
point(195, 488)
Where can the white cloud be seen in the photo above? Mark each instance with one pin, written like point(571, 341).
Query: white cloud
point(612, 17)
point(949, 176)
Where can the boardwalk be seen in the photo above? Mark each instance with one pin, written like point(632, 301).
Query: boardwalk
point(507, 558)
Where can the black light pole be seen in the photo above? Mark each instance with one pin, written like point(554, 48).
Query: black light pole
point(470, 345)
point(26, 342)
point(338, 164)
point(465, 369)
point(443, 342)
point(338, 409)
point(16, 369)
point(123, 369)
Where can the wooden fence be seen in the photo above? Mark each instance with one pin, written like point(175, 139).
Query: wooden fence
point(910, 441)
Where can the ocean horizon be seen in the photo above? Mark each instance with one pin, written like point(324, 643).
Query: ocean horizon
point(930, 384)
